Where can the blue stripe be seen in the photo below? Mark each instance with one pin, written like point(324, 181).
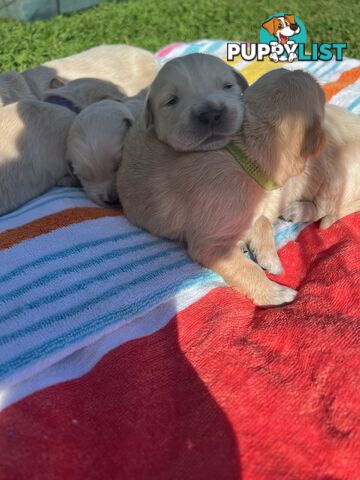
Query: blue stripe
point(52, 193)
point(322, 65)
point(354, 104)
point(69, 251)
point(48, 299)
point(215, 46)
point(79, 196)
point(88, 304)
point(309, 66)
point(50, 277)
point(192, 48)
point(98, 324)
point(331, 69)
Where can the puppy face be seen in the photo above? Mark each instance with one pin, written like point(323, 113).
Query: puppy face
point(287, 108)
point(94, 148)
point(282, 27)
point(195, 103)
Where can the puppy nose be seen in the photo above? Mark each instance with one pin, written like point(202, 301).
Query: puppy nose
point(294, 27)
point(211, 116)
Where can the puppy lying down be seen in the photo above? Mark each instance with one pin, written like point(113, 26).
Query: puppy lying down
point(206, 199)
point(33, 141)
point(94, 145)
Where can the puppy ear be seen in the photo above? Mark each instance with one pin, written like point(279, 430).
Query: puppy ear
point(270, 25)
point(314, 139)
point(291, 18)
point(56, 83)
point(240, 80)
point(148, 113)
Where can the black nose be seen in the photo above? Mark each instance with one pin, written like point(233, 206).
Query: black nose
point(294, 27)
point(211, 116)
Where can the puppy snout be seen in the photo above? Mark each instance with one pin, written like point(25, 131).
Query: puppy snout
point(294, 27)
point(110, 198)
point(211, 116)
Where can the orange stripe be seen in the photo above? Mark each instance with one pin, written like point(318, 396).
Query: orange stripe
point(52, 222)
point(345, 79)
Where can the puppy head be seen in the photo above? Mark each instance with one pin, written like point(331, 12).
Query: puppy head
point(94, 148)
point(84, 91)
point(284, 121)
point(195, 103)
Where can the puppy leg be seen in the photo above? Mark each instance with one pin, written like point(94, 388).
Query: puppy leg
point(243, 275)
point(328, 220)
point(262, 244)
point(301, 211)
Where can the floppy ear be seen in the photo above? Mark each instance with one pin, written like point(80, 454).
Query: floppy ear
point(314, 139)
point(270, 25)
point(148, 113)
point(56, 82)
point(240, 80)
point(291, 18)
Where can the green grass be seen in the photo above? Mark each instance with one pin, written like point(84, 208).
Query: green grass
point(153, 23)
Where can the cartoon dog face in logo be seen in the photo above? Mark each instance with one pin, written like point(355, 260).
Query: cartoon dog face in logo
point(282, 28)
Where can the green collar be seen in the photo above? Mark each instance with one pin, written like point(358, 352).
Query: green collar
point(253, 170)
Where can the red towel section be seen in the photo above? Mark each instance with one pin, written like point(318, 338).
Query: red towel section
point(225, 391)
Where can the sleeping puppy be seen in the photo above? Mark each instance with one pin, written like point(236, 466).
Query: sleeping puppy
point(206, 199)
point(328, 189)
point(13, 87)
point(95, 142)
point(32, 150)
point(130, 68)
point(33, 141)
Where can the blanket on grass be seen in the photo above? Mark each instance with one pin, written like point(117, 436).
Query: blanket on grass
point(167, 373)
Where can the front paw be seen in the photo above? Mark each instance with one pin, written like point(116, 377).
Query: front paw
point(274, 295)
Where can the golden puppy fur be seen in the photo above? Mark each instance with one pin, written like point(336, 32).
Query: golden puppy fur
point(205, 199)
point(94, 145)
point(130, 68)
point(33, 142)
point(328, 188)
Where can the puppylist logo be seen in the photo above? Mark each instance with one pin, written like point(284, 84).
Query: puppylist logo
point(282, 39)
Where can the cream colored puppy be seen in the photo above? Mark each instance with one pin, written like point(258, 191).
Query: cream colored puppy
point(130, 68)
point(33, 140)
point(13, 87)
point(94, 145)
point(206, 199)
point(328, 188)
point(32, 150)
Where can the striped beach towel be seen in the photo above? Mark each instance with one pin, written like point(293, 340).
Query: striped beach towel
point(121, 358)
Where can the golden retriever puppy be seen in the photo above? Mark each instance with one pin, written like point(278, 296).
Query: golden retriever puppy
point(32, 150)
point(33, 140)
point(210, 199)
point(13, 87)
point(130, 68)
point(94, 146)
point(327, 190)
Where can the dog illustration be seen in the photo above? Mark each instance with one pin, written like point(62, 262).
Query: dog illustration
point(282, 28)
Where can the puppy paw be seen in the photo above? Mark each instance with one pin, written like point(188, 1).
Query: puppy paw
point(270, 262)
point(299, 212)
point(327, 221)
point(275, 295)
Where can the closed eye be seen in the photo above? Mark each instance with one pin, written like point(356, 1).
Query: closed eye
point(172, 101)
point(227, 86)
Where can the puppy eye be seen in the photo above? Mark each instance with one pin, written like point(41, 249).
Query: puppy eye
point(127, 122)
point(227, 86)
point(172, 101)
